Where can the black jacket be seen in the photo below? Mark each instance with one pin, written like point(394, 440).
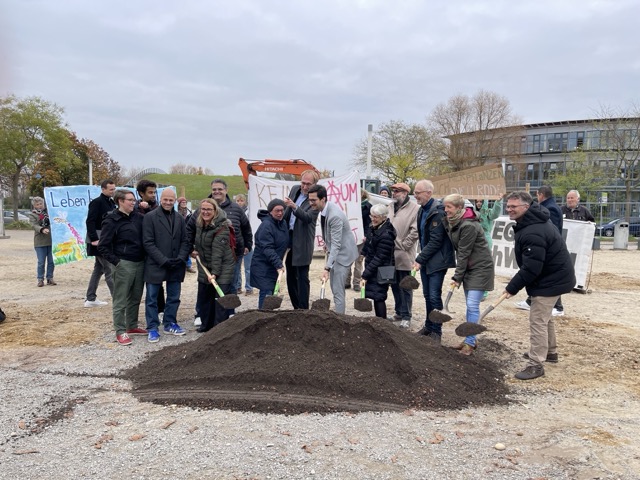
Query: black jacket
point(378, 252)
point(241, 225)
point(546, 268)
point(272, 241)
point(121, 237)
point(436, 250)
point(304, 230)
point(99, 208)
point(164, 237)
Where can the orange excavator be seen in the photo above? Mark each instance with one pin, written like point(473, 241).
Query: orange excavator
point(284, 168)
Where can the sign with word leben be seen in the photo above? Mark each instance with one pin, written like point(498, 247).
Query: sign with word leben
point(577, 235)
point(486, 182)
point(67, 208)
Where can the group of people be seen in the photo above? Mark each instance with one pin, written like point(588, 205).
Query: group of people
point(139, 243)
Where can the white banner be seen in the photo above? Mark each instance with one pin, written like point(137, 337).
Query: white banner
point(344, 191)
point(577, 235)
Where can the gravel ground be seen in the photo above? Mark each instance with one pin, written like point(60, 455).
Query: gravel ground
point(66, 413)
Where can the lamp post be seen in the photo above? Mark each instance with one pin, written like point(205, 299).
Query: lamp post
point(90, 171)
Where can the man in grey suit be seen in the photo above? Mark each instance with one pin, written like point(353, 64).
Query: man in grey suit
point(339, 242)
point(164, 237)
point(301, 220)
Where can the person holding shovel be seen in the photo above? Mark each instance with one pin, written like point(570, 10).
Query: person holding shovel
point(474, 264)
point(271, 243)
point(546, 272)
point(378, 252)
point(214, 251)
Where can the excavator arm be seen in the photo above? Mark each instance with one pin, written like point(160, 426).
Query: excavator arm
point(285, 167)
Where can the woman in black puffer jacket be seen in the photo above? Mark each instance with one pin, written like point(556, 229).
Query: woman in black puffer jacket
point(378, 252)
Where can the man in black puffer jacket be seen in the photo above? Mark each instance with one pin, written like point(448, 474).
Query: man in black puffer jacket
point(546, 271)
point(240, 221)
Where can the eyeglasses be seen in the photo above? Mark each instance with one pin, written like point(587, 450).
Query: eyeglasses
point(306, 184)
point(206, 209)
point(129, 199)
point(513, 207)
point(416, 192)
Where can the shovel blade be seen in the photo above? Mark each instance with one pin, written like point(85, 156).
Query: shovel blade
point(409, 283)
point(272, 302)
point(467, 328)
point(230, 301)
point(362, 305)
point(437, 316)
point(322, 304)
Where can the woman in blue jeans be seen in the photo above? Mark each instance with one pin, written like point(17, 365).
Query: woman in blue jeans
point(474, 264)
point(39, 220)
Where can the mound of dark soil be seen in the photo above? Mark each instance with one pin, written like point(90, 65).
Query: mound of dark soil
point(293, 362)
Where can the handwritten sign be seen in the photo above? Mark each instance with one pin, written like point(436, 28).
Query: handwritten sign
point(474, 183)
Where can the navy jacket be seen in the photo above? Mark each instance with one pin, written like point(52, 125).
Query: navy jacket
point(546, 269)
point(437, 251)
point(99, 208)
point(555, 213)
point(272, 241)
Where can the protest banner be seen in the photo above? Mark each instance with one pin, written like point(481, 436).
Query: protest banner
point(344, 191)
point(67, 207)
point(577, 235)
point(474, 183)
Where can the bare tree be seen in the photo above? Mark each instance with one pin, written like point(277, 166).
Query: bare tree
point(401, 152)
point(619, 140)
point(475, 127)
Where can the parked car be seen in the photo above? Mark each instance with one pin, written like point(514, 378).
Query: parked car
point(8, 217)
point(607, 229)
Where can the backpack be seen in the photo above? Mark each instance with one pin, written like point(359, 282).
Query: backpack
point(232, 239)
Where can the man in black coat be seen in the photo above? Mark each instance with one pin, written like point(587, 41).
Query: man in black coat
point(546, 271)
point(164, 237)
point(99, 208)
point(301, 220)
point(546, 200)
point(241, 225)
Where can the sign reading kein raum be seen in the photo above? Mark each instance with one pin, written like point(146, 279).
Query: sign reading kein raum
point(474, 183)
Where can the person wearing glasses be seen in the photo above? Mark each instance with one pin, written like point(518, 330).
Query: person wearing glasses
point(301, 220)
point(474, 263)
point(545, 271)
point(121, 245)
point(214, 251)
point(436, 254)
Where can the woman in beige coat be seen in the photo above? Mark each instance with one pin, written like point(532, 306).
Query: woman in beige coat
point(39, 220)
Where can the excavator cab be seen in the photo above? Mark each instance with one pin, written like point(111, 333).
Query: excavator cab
point(284, 169)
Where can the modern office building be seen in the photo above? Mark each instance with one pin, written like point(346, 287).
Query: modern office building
point(533, 153)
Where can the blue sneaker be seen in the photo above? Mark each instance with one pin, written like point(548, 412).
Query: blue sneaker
point(174, 329)
point(154, 336)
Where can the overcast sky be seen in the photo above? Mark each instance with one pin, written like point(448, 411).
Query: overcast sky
point(158, 82)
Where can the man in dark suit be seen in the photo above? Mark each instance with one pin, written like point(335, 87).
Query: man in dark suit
point(164, 237)
point(339, 243)
point(99, 208)
point(301, 220)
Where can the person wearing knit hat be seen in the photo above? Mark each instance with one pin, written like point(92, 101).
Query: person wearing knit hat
point(270, 244)
point(384, 191)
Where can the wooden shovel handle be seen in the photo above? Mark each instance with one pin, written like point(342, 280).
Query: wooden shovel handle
point(493, 306)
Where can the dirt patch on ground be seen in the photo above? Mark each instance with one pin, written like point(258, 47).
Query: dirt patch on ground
point(322, 362)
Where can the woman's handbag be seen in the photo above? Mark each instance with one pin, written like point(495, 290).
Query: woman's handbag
point(386, 275)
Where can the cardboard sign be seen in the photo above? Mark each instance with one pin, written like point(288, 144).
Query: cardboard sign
point(474, 183)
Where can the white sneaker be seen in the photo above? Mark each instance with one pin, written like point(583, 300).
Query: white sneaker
point(94, 303)
point(405, 324)
point(557, 313)
point(523, 305)
point(197, 322)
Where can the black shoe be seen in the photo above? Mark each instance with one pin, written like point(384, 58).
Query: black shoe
point(201, 330)
point(434, 337)
point(531, 372)
point(551, 357)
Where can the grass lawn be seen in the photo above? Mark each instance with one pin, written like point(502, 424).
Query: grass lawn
point(197, 187)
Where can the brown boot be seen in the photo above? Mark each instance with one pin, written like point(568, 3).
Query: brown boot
point(40, 283)
point(51, 282)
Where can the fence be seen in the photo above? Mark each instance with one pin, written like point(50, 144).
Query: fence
point(612, 210)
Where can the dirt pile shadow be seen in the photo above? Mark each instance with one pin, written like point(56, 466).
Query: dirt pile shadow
point(293, 362)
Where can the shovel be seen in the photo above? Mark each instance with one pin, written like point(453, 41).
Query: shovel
point(272, 302)
point(444, 315)
point(468, 328)
point(323, 303)
point(409, 282)
point(363, 304)
point(230, 301)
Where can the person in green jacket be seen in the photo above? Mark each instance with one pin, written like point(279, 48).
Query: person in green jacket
point(487, 215)
point(39, 220)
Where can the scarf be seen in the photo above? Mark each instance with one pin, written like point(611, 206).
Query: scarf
point(455, 220)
